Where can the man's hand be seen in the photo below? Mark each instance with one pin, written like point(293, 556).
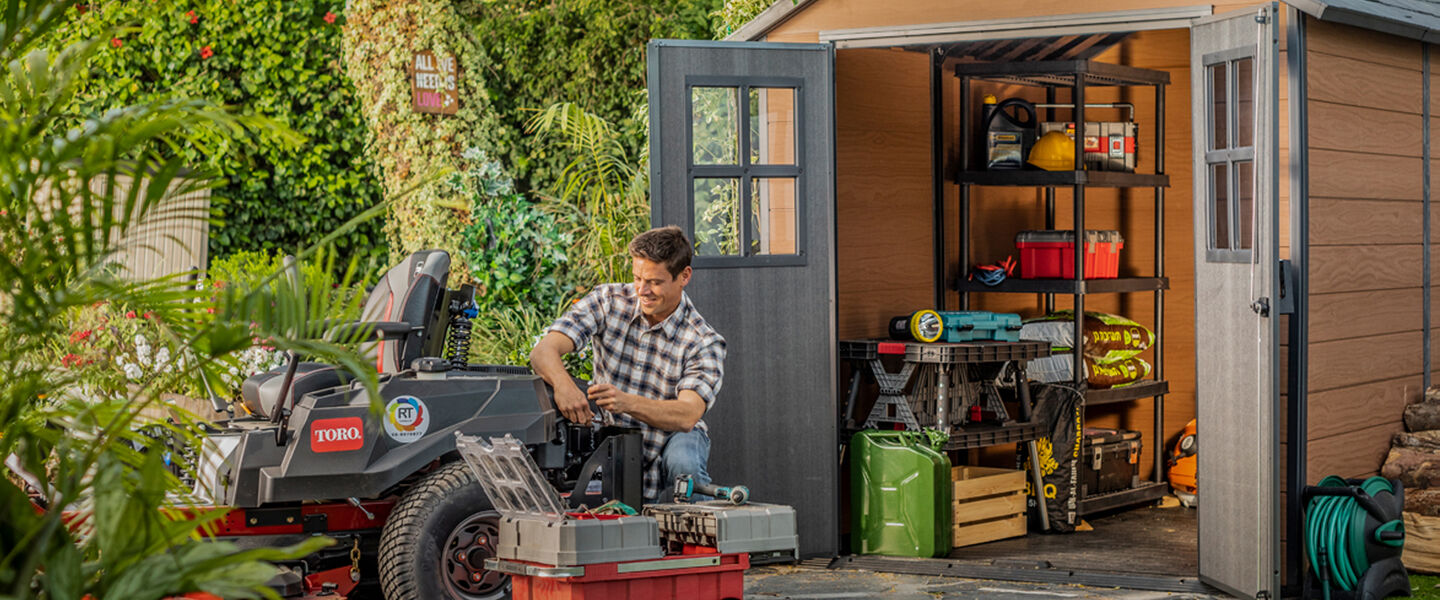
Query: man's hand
point(570, 401)
point(606, 396)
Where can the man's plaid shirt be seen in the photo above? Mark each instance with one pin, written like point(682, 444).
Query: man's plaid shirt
point(656, 362)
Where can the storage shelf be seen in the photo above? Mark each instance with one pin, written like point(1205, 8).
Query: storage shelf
point(1062, 72)
point(1016, 285)
point(1147, 492)
point(1129, 393)
point(1115, 179)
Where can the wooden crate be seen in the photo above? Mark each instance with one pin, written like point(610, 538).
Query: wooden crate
point(989, 504)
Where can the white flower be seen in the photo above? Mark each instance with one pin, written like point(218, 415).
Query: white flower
point(233, 371)
point(133, 371)
point(141, 341)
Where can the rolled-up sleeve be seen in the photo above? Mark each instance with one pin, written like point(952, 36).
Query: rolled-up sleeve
point(584, 319)
point(704, 370)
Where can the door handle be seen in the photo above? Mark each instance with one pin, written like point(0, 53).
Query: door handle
point(1261, 306)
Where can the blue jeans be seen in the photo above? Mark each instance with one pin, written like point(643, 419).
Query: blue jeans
point(685, 453)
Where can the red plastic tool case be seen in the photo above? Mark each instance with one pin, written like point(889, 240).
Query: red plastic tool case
point(1050, 254)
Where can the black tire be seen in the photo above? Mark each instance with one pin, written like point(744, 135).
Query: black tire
point(435, 541)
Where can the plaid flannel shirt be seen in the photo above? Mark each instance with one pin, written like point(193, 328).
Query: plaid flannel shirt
point(653, 361)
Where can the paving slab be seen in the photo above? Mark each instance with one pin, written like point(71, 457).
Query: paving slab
point(787, 582)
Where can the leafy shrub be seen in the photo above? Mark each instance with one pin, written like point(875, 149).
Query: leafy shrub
point(517, 252)
point(587, 52)
point(276, 58)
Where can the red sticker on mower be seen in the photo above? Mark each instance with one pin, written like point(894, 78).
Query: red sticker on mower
point(337, 435)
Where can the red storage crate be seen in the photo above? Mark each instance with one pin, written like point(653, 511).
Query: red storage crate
point(1050, 254)
point(641, 580)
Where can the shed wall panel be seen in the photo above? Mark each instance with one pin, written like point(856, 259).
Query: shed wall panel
point(1366, 226)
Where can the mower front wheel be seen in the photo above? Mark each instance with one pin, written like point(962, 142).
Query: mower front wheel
point(437, 539)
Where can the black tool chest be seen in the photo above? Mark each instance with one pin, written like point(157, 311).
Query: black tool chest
point(1109, 461)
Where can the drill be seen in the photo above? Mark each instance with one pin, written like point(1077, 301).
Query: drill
point(686, 488)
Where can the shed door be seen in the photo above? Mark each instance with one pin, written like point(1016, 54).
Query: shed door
point(1233, 62)
point(742, 157)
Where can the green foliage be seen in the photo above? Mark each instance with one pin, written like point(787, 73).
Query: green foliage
point(603, 190)
point(736, 13)
point(104, 531)
point(276, 58)
point(515, 250)
point(414, 150)
point(588, 52)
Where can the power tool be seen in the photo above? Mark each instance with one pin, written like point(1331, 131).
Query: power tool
point(686, 488)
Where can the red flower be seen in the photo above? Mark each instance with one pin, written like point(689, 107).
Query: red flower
point(210, 310)
point(79, 336)
point(82, 8)
point(193, 18)
point(206, 52)
point(116, 43)
point(329, 17)
point(130, 314)
point(149, 315)
point(72, 360)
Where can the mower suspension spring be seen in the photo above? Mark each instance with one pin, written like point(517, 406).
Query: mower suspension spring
point(459, 350)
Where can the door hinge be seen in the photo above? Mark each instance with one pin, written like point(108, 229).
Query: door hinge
point(1262, 17)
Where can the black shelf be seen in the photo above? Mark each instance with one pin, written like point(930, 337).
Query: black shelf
point(1138, 391)
point(1062, 73)
point(1116, 179)
point(1147, 492)
point(1016, 285)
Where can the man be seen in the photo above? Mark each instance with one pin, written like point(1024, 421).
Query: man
point(658, 365)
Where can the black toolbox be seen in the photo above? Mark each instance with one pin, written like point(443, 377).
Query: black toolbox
point(1109, 461)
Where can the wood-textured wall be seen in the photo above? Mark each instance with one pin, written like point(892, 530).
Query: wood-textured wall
point(1366, 212)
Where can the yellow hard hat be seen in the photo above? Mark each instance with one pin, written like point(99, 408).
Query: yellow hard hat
point(1054, 151)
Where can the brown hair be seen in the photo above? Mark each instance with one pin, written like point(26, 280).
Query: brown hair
point(667, 245)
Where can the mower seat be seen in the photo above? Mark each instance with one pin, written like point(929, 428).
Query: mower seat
point(408, 294)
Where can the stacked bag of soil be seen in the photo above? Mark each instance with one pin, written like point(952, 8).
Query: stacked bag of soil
point(1112, 346)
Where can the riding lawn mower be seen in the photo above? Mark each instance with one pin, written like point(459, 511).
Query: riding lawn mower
point(410, 518)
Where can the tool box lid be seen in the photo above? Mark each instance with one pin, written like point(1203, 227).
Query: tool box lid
point(1067, 236)
point(511, 478)
point(1095, 436)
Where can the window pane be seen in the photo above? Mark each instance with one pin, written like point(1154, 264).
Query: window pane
point(1220, 211)
point(772, 215)
point(715, 125)
point(1245, 203)
point(1245, 102)
point(772, 126)
point(1219, 116)
point(717, 217)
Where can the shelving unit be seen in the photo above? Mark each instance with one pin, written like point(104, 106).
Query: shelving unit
point(1078, 76)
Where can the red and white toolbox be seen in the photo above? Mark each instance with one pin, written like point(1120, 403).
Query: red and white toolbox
point(678, 550)
point(1050, 254)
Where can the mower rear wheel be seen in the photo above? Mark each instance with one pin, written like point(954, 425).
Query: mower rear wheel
point(437, 539)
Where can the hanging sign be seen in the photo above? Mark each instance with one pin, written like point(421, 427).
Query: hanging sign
point(434, 83)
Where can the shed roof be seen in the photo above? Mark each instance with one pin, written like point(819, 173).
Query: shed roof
point(1417, 19)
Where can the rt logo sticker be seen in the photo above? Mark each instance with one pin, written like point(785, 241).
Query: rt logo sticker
point(406, 419)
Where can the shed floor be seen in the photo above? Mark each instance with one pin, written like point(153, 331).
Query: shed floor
point(1142, 541)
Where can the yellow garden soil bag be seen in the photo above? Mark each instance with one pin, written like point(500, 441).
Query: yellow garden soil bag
point(1108, 337)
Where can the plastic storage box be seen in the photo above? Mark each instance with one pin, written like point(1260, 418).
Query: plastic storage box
point(533, 524)
point(1109, 461)
point(1050, 254)
point(979, 325)
point(899, 495)
point(753, 528)
point(712, 577)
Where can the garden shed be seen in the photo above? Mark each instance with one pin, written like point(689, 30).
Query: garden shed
point(1277, 232)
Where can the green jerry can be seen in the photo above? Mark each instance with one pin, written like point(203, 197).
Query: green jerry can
point(899, 495)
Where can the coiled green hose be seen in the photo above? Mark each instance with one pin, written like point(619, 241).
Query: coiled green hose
point(1335, 532)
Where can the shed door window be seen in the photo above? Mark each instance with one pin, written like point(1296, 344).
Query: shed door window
point(1230, 156)
point(744, 172)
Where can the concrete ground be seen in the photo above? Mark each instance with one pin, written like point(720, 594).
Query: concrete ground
point(801, 583)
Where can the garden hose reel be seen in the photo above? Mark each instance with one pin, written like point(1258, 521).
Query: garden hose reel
point(1353, 539)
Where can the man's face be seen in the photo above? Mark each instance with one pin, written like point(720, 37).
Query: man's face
point(658, 291)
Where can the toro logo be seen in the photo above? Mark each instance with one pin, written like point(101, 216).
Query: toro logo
point(337, 435)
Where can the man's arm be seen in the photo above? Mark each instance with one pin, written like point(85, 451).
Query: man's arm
point(547, 360)
point(679, 414)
